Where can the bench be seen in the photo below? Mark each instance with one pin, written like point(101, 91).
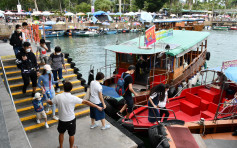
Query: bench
point(210, 112)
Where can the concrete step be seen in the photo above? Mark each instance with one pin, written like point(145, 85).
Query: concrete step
point(14, 67)
point(20, 95)
point(27, 105)
point(18, 79)
point(29, 118)
point(81, 112)
point(19, 86)
point(11, 74)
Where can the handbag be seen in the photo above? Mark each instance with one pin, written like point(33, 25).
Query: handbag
point(88, 93)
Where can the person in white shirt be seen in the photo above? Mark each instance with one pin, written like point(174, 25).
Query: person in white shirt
point(66, 104)
point(162, 104)
point(96, 97)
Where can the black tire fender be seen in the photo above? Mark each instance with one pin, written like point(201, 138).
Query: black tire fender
point(69, 60)
point(208, 56)
point(72, 65)
point(66, 55)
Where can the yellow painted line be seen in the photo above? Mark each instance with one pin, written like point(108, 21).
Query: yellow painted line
point(53, 121)
point(16, 78)
point(49, 113)
point(30, 99)
point(18, 71)
point(14, 66)
point(26, 108)
point(19, 85)
point(38, 89)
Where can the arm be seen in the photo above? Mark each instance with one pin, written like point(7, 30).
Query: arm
point(102, 99)
point(63, 62)
point(45, 47)
point(150, 99)
point(19, 60)
point(39, 83)
point(50, 59)
point(92, 105)
point(131, 89)
point(35, 62)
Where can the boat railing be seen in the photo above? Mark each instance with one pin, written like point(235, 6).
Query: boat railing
point(107, 70)
point(154, 113)
point(153, 77)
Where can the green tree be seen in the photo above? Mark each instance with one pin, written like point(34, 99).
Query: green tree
point(150, 5)
point(104, 5)
point(83, 7)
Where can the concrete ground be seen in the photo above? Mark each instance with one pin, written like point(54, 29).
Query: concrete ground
point(84, 137)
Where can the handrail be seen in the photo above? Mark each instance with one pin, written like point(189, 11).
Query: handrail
point(6, 83)
point(110, 66)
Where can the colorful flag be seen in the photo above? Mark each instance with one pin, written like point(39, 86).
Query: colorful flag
point(150, 36)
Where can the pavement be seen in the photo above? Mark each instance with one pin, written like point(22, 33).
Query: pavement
point(84, 137)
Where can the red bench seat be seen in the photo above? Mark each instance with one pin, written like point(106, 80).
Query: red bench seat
point(189, 108)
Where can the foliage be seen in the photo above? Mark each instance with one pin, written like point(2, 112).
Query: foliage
point(83, 7)
point(104, 5)
point(150, 5)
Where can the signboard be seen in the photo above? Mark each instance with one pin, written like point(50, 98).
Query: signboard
point(150, 36)
point(227, 64)
point(19, 8)
point(163, 34)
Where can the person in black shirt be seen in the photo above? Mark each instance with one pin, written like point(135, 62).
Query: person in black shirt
point(16, 39)
point(27, 63)
point(128, 93)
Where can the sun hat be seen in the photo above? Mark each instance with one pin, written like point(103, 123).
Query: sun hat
point(47, 67)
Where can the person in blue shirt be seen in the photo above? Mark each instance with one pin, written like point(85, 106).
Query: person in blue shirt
point(39, 109)
point(47, 88)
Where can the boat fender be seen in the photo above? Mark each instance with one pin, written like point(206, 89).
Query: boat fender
point(75, 70)
point(190, 83)
point(72, 65)
point(69, 60)
point(79, 75)
point(184, 84)
point(194, 80)
point(208, 55)
point(179, 89)
point(171, 92)
point(83, 81)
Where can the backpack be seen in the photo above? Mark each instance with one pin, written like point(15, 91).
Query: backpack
point(120, 85)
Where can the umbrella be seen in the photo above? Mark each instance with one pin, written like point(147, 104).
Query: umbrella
point(36, 22)
point(2, 11)
point(1, 14)
point(100, 13)
point(136, 24)
point(69, 14)
point(118, 13)
point(80, 13)
point(20, 13)
point(130, 14)
point(106, 23)
point(60, 22)
point(28, 13)
point(36, 13)
point(145, 17)
point(9, 13)
point(111, 13)
point(46, 13)
point(71, 27)
point(50, 23)
point(231, 73)
point(172, 15)
point(89, 13)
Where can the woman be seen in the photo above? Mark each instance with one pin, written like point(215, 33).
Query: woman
point(157, 94)
point(47, 88)
point(96, 97)
point(162, 105)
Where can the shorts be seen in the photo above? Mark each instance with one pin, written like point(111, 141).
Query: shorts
point(129, 102)
point(96, 114)
point(40, 115)
point(70, 126)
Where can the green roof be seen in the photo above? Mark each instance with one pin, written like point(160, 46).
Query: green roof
point(180, 42)
point(197, 11)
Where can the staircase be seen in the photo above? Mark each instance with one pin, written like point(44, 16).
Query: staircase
point(23, 102)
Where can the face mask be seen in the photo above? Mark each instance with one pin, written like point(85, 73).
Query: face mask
point(58, 53)
point(27, 50)
point(18, 30)
point(39, 99)
point(48, 72)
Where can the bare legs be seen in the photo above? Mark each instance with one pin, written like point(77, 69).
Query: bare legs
point(102, 121)
point(123, 109)
point(61, 138)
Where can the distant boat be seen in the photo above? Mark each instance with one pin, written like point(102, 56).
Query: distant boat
point(87, 33)
point(111, 32)
point(233, 28)
point(53, 33)
point(220, 28)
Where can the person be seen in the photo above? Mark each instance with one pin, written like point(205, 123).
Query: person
point(66, 103)
point(157, 94)
point(220, 81)
point(56, 60)
point(96, 97)
point(41, 52)
point(47, 88)
point(39, 109)
point(27, 63)
point(16, 39)
point(162, 104)
point(128, 94)
point(25, 31)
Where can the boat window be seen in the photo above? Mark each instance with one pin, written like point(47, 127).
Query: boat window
point(177, 62)
point(181, 61)
point(127, 58)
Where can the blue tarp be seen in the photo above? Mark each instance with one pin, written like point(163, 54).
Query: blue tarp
point(231, 73)
point(99, 13)
point(94, 19)
point(45, 27)
point(110, 91)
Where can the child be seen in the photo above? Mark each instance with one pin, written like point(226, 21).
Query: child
point(39, 108)
point(42, 49)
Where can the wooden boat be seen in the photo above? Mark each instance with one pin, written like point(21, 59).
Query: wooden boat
point(183, 60)
point(220, 28)
point(233, 28)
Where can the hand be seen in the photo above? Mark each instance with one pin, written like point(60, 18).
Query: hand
point(24, 58)
point(135, 94)
point(65, 70)
point(104, 106)
point(20, 38)
point(99, 108)
point(43, 91)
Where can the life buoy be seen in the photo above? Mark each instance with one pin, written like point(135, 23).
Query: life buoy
point(208, 55)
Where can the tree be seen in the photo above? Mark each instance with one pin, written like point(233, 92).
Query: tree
point(104, 5)
point(83, 7)
point(150, 5)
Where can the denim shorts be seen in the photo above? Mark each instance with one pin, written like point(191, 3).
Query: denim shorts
point(96, 114)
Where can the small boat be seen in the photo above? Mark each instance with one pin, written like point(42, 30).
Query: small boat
point(120, 30)
point(135, 30)
point(53, 33)
point(125, 31)
point(111, 32)
point(233, 28)
point(87, 33)
point(71, 32)
point(220, 28)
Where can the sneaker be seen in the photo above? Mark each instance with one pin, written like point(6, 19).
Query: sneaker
point(57, 90)
point(47, 110)
point(120, 114)
point(107, 126)
point(46, 125)
point(55, 118)
point(38, 121)
point(93, 126)
point(128, 121)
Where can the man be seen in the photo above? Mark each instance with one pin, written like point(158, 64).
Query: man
point(128, 94)
point(25, 31)
point(66, 103)
point(16, 39)
point(26, 61)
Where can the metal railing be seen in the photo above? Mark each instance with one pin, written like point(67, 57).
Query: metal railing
point(105, 68)
point(161, 81)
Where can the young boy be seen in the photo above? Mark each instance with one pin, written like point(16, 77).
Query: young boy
point(39, 109)
point(42, 50)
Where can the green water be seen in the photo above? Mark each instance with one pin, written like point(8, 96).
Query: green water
point(90, 51)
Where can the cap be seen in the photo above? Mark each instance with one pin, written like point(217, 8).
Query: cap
point(37, 95)
point(47, 67)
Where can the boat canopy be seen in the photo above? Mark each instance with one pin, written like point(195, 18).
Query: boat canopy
point(180, 43)
point(177, 20)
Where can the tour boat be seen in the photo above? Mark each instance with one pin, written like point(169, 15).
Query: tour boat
point(56, 33)
point(90, 31)
point(177, 59)
point(220, 28)
point(233, 28)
